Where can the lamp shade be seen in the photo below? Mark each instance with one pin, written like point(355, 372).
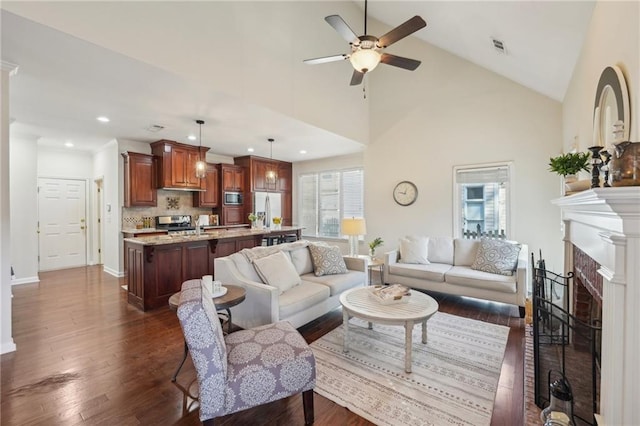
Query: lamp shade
point(365, 60)
point(354, 226)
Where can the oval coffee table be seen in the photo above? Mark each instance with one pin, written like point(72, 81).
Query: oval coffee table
point(358, 303)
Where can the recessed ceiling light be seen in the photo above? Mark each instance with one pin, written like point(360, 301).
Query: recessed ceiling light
point(250, 149)
point(191, 137)
point(68, 144)
point(103, 119)
point(302, 151)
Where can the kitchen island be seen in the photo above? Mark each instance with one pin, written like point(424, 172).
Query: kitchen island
point(157, 265)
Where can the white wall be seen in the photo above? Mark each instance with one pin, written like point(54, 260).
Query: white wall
point(613, 38)
point(6, 334)
point(447, 113)
point(24, 209)
point(274, 78)
point(106, 166)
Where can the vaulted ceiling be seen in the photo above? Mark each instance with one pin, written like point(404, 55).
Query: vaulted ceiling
point(238, 66)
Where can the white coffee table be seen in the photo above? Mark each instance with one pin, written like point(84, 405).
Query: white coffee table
point(357, 303)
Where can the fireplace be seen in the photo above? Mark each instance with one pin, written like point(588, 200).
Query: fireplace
point(602, 245)
point(565, 342)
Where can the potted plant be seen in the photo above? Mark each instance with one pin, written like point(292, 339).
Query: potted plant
point(252, 219)
point(568, 166)
point(375, 244)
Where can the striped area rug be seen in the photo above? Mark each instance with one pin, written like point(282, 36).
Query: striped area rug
point(453, 380)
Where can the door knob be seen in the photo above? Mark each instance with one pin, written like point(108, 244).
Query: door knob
point(82, 227)
point(81, 220)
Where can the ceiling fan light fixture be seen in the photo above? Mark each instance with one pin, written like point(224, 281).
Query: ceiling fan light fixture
point(365, 60)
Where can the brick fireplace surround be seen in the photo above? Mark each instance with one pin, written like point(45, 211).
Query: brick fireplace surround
point(604, 223)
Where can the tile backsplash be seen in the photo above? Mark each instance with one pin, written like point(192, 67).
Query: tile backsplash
point(169, 203)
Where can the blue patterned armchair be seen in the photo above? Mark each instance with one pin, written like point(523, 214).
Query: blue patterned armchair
point(246, 368)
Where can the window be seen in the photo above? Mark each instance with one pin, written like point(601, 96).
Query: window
point(328, 197)
point(481, 200)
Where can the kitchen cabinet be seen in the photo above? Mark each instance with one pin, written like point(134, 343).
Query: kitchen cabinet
point(210, 197)
point(233, 215)
point(258, 168)
point(139, 180)
point(177, 164)
point(232, 177)
point(154, 273)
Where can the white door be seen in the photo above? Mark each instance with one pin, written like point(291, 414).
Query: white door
point(62, 223)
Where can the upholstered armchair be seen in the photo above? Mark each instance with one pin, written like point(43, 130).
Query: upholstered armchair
point(246, 368)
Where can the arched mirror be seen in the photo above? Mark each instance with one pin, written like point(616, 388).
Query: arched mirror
point(611, 106)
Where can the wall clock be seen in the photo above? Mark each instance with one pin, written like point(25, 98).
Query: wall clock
point(405, 193)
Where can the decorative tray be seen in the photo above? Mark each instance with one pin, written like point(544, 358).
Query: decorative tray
point(390, 295)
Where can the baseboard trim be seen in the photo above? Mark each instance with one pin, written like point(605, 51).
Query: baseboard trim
point(113, 272)
point(8, 347)
point(27, 280)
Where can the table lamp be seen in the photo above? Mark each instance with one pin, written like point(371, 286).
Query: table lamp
point(354, 227)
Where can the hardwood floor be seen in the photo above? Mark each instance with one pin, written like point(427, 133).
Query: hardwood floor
point(87, 357)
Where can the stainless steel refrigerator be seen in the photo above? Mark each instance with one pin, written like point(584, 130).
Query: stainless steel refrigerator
point(269, 203)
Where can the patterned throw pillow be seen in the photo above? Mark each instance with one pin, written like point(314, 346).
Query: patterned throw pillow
point(327, 260)
point(496, 257)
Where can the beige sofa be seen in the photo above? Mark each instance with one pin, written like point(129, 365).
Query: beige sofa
point(449, 271)
point(265, 304)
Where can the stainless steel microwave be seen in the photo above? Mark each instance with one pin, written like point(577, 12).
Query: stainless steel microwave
point(233, 198)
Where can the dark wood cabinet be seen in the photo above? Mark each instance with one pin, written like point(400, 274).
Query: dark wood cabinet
point(233, 215)
point(177, 164)
point(287, 209)
point(210, 197)
point(232, 177)
point(139, 180)
point(284, 177)
point(155, 272)
point(258, 168)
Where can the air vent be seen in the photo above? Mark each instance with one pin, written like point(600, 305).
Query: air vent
point(498, 45)
point(155, 128)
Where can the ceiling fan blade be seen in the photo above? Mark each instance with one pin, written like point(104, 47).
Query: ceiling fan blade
point(326, 59)
point(401, 31)
point(356, 78)
point(400, 62)
point(342, 28)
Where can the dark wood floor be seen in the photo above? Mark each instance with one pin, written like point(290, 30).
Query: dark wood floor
point(86, 357)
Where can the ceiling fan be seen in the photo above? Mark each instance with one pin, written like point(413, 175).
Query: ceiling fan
point(366, 50)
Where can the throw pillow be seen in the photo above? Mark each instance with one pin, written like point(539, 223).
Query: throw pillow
point(277, 271)
point(327, 260)
point(414, 250)
point(497, 257)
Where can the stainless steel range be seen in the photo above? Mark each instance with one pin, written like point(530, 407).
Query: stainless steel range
point(176, 224)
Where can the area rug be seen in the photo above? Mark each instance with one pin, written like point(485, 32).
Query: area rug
point(453, 380)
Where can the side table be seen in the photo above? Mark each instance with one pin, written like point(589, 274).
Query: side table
point(379, 264)
point(234, 296)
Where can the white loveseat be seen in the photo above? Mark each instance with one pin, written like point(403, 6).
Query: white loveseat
point(313, 297)
point(449, 271)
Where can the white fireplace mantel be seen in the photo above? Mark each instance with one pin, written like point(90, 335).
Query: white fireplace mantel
point(605, 224)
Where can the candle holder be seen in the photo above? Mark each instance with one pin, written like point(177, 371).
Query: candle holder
point(605, 166)
point(596, 161)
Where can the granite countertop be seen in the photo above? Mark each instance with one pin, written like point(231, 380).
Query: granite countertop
point(152, 230)
point(209, 234)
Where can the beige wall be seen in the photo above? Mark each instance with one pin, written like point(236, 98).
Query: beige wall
point(447, 113)
point(613, 39)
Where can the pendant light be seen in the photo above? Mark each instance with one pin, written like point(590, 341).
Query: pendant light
point(201, 166)
point(271, 176)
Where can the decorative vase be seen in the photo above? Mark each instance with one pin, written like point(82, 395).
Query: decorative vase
point(566, 184)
